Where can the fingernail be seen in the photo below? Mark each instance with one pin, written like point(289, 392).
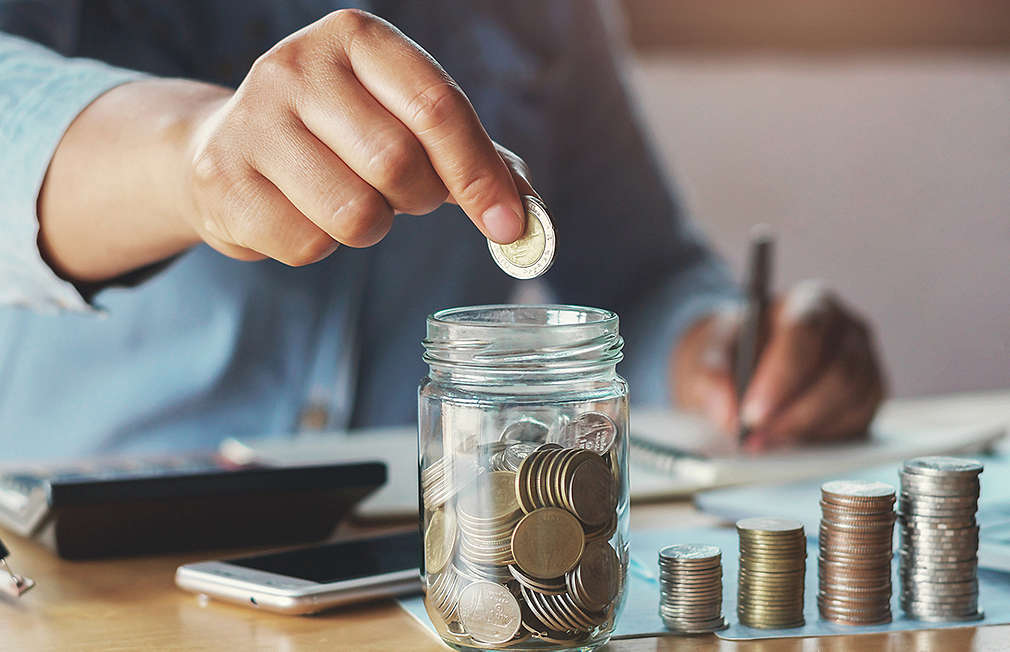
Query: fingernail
point(503, 224)
point(753, 413)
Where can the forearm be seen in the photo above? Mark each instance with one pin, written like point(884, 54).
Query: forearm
point(115, 193)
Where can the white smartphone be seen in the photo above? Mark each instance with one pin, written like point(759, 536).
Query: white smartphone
point(306, 580)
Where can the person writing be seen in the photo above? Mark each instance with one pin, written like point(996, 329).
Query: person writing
point(211, 219)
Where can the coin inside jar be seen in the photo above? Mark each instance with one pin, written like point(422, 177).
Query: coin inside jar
point(439, 540)
point(547, 542)
point(489, 612)
point(533, 253)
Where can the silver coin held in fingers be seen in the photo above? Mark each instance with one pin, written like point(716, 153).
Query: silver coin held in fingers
point(533, 253)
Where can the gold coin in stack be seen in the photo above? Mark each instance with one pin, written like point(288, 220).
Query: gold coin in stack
point(770, 582)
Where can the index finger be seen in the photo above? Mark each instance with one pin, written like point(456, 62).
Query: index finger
point(414, 88)
point(796, 351)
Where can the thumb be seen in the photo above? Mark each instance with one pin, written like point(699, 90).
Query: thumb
point(519, 170)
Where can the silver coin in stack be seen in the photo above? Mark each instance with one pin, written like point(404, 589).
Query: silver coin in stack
point(533, 253)
point(690, 588)
point(939, 539)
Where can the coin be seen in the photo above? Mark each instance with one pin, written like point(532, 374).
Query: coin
point(526, 429)
point(547, 542)
point(591, 491)
point(533, 253)
point(947, 467)
point(439, 540)
point(592, 431)
point(489, 613)
point(593, 582)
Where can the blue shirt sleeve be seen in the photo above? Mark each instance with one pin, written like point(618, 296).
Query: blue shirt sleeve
point(627, 241)
point(41, 93)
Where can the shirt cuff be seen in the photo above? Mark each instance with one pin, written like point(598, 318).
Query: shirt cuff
point(40, 95)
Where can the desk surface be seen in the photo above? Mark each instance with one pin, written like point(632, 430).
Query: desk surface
point(133, 604)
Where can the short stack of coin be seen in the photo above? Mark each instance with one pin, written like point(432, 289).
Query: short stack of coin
point(773, 555)
point(939, 538)
point(519, 549)
point(487, 512)
point(690, 588)
point(443, 478)
point(854, 561)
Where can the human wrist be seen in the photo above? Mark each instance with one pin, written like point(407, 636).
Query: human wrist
point(190, 105)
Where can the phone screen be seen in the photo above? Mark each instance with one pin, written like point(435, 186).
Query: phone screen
point(346, 560)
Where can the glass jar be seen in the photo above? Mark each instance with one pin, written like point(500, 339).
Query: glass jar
point(523, 445)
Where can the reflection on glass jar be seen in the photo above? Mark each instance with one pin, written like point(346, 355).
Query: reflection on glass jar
point(523, 427)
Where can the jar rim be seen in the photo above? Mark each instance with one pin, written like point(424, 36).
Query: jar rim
point(553, 316)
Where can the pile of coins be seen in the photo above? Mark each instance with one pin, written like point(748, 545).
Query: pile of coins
point(773, 554)
point(854, 560)
point(516, 543)
point(690, 588)
point(939, 539)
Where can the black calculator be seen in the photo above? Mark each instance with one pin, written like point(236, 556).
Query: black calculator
point(177, 503)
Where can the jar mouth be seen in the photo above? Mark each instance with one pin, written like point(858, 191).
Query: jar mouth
point(532, 316)
point(548, 341)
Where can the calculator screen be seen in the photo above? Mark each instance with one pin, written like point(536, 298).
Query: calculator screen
point(347, 560)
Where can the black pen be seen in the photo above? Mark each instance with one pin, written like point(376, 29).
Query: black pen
point(754, 330)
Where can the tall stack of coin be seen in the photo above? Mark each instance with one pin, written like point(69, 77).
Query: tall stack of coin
point(939, 538)
point(773, 555)
point(690, 588)
point(516, 545)
point(857, 526)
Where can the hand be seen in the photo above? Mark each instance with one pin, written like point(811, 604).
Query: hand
point(818, 379)
point(334, 130)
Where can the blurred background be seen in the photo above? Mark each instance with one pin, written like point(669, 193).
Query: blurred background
point(873, 135)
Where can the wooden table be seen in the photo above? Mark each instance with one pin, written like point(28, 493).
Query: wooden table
point(133, 604)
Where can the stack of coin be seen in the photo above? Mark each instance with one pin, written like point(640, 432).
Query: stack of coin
point(443, 593)
point(857, 526)
point(939, 538)
point(773, 555)
point(690, 588)
point(574, 479)
point(487, 513)
point(443, 479)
